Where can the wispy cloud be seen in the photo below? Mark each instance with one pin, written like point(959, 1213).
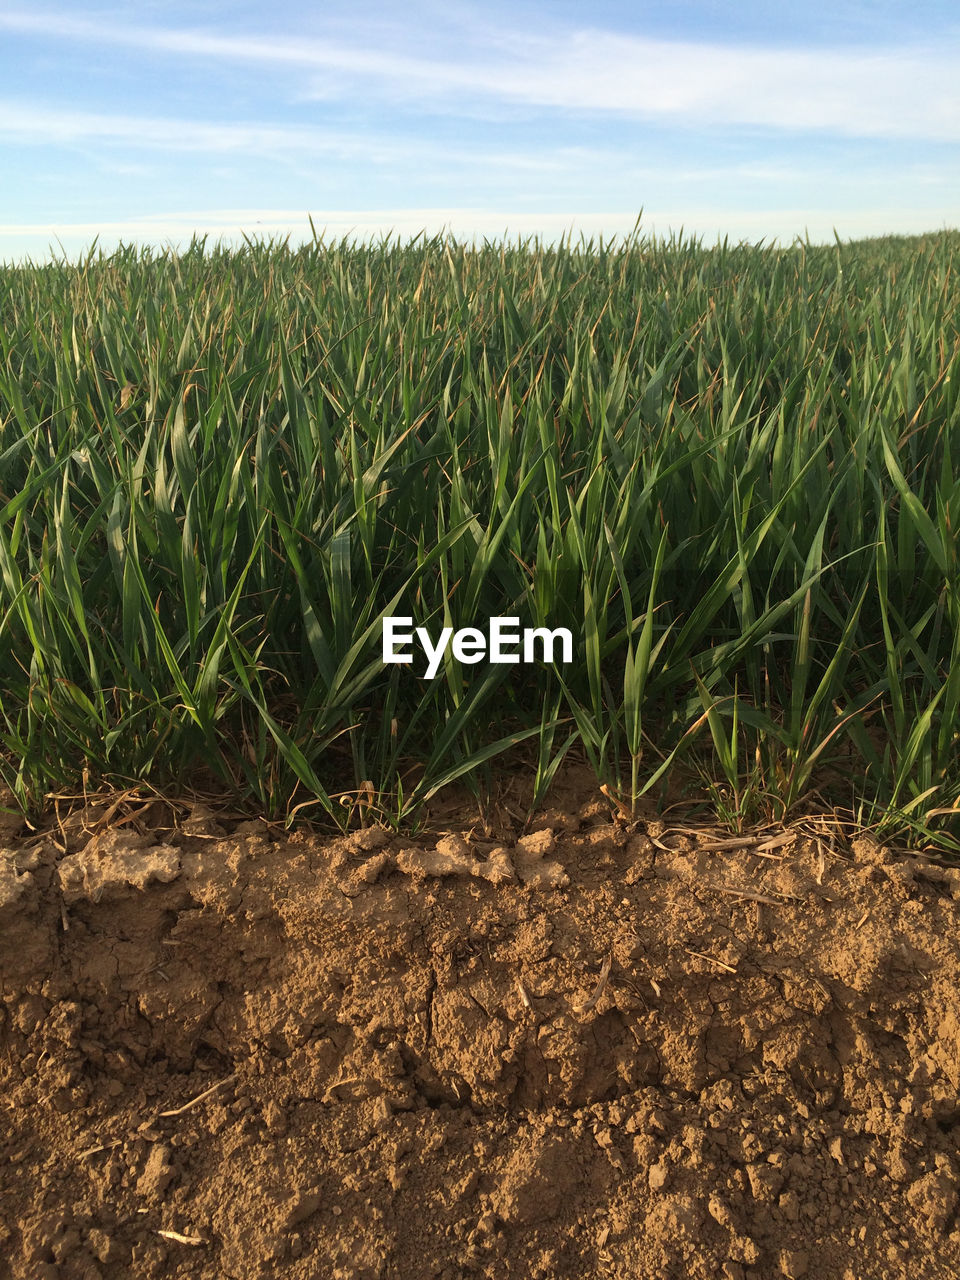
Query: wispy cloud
point(131, 138)
point(882, 94)
point(263, 50)
point(38, 125)
point(894, 93)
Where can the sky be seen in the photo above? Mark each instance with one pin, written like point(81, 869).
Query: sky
point(155, 120)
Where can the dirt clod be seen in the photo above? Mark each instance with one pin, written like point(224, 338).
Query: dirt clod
point(566, 1054)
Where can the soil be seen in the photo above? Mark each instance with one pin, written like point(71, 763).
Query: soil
point(597, 1049)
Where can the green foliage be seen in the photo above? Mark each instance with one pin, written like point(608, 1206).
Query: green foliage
point(731, 472)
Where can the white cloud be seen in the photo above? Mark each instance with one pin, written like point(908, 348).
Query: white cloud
point(37, 125)
point(265, 50)
point(885, 93)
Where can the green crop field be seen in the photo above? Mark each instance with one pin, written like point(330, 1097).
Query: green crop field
point(733, 473)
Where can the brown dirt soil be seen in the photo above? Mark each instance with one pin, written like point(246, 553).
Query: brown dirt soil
point(592, 1051)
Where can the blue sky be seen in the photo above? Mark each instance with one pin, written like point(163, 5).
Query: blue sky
point(153, 120)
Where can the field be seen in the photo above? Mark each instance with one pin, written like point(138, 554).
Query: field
point(639, 964)
point(729, 472)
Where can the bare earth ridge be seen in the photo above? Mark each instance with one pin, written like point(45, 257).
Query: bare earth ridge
point(596, 1050)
